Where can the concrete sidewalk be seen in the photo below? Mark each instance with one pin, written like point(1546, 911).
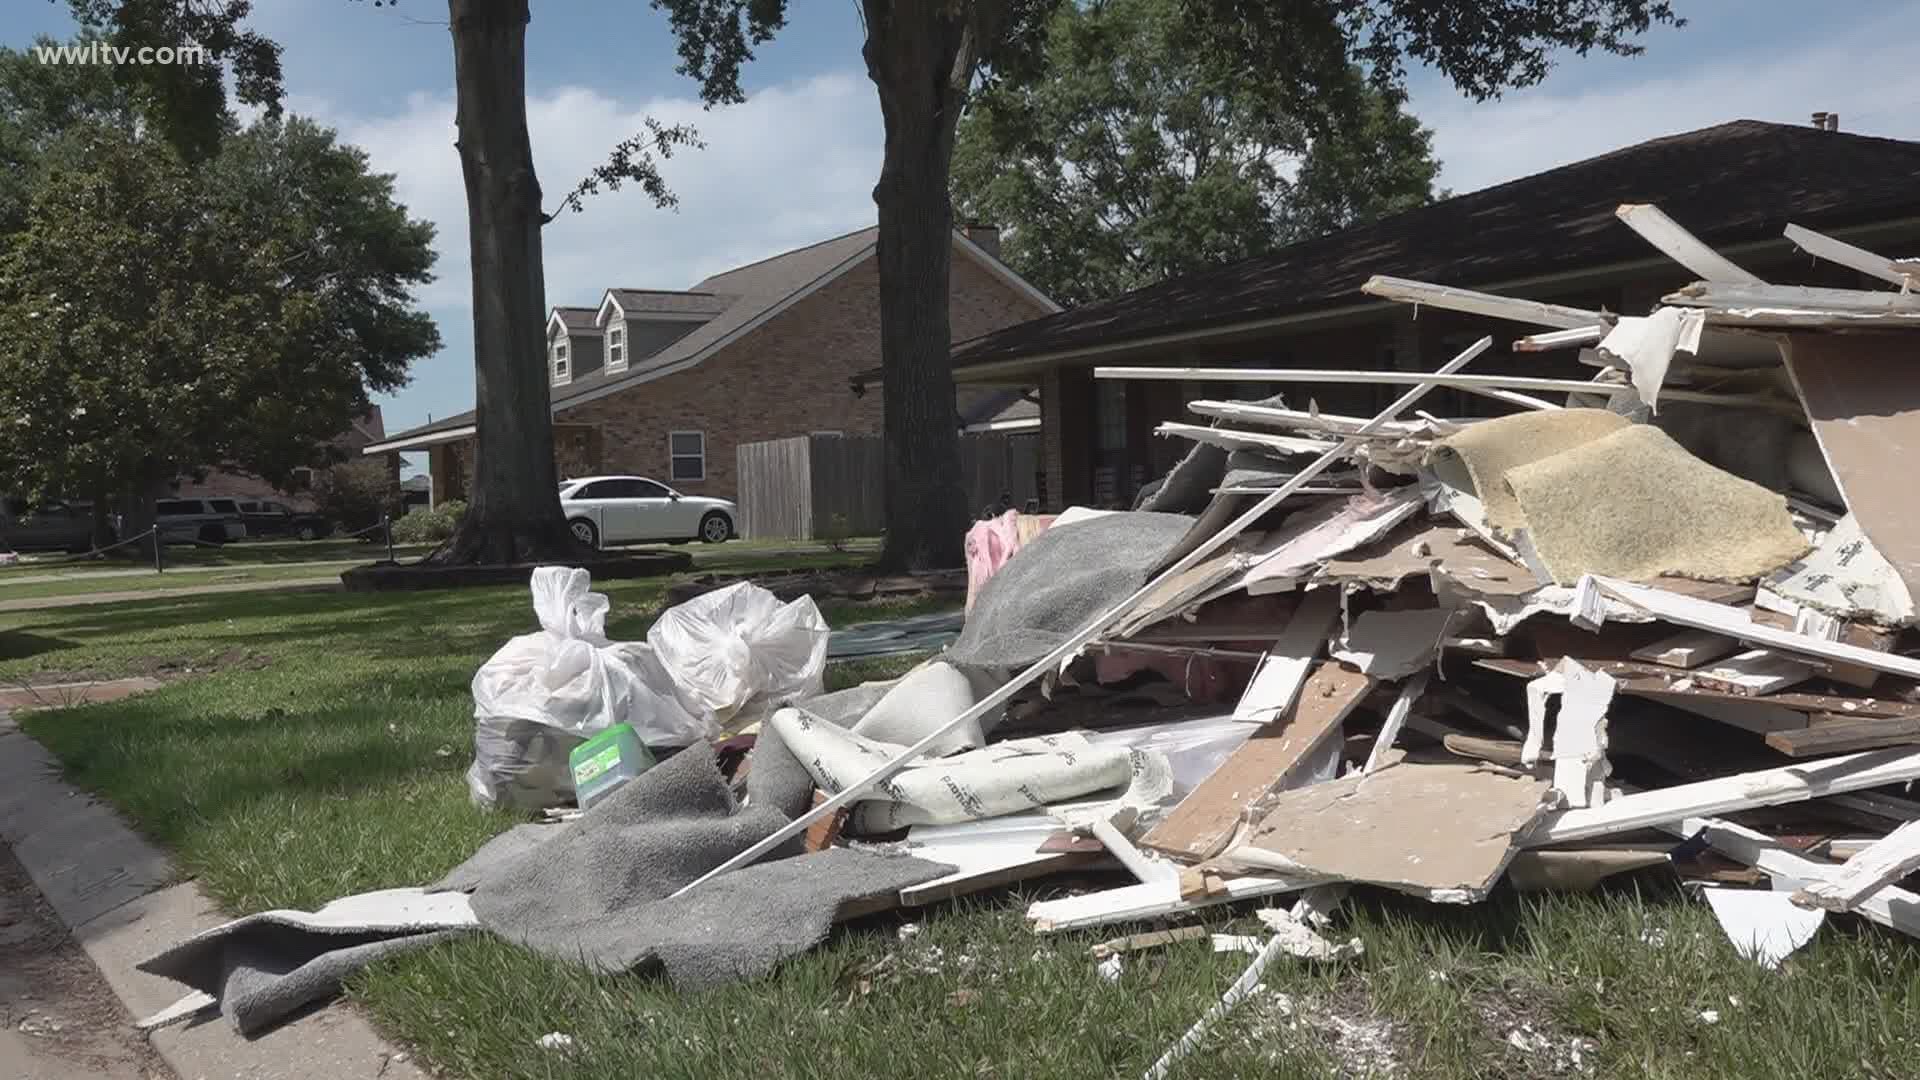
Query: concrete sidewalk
point(37, 603)
point(122, 900)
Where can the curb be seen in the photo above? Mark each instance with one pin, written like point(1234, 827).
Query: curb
point(117, 895)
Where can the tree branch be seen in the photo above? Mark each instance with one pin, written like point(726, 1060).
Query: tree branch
point(632, 160)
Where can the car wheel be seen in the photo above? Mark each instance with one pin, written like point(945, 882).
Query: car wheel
point(212, 534)
point(715, 527)
point(585, 532)
point(307, 532)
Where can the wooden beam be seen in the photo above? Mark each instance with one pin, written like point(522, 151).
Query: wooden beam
point(1844, 254)
point(1656, 228)
point(1734, 622)
point(1561, 339)
point(1397, 378)
point(1806, 298)
point(1449, 298)
point(1240, 440)
point(1273, 756)
point(1078, 640)
point(1744, 791)
point(1880, 865)
point(1276, 683)
point(1754, 673)
point(1830, 734)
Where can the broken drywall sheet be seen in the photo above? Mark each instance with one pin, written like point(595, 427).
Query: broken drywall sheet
point(1303, 941)
point(1635, 504)
point(1645, 346)
point(1753, 673)
point(1846, 575)
point(1477, 460)
point(1864, 403)
point(1296, 549)
point(1412, 550)
point(1764, 925)
point(1444, 831)
point(1394, 644)
point(1580, 765)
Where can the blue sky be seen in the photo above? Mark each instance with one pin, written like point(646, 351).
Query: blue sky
point(797, 162)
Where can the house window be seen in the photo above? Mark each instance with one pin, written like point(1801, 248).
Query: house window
point(688, 449)
point(560, 366)
point(616, 348)
point(302, 479)
point(1110, 411)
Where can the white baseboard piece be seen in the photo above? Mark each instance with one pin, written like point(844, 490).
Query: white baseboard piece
point(1132, 903)
point(1890, 906)
point(1767, 787)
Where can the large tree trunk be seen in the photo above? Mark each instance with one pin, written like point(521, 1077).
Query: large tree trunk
point(911, 56)
point(514, 514)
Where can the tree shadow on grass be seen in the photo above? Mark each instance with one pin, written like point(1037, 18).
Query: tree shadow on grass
point(20, 644)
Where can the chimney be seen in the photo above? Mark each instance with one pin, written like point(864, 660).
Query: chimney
point(1826, 121)
point(985, 237)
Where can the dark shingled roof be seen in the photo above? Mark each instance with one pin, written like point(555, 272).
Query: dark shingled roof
point(1732, 183)
point(577, 320)
point(668, 302)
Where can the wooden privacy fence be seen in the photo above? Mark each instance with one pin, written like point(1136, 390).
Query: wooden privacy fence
point(794, 488)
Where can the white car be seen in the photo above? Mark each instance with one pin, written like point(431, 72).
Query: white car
point(604, 510)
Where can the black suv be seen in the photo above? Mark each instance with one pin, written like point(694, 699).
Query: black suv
point(279, 519)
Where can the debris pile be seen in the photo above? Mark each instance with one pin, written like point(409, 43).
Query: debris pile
point(1665, 621)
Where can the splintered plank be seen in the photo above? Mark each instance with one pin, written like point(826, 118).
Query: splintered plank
point(1205, 820)
point(1837, 735)
point(1881, 864)
point(1687, 649)
point(1753, 673)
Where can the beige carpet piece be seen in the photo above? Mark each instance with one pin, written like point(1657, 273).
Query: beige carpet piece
point(1485, 452)
point(1634, 504)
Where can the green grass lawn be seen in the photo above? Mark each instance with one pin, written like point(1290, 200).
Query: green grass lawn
point(320, 747)
point(269, 562)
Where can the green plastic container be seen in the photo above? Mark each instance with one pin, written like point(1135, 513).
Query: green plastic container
point(606, 761)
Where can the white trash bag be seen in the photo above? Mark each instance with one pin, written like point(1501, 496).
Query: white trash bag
point(738, 653)
point(543, 694)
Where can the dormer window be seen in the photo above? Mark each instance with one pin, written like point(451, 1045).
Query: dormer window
point(616, 348)
point(562, 371)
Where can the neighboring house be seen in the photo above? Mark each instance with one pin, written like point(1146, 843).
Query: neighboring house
point(1552, 236)
point(668, 384)
point(365, 431)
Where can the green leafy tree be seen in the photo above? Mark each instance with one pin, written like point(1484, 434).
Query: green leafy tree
point(160, 316)
point(925, 59)
point(1133, 154)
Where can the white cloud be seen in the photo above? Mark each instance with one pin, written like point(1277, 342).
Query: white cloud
point(1851, 72)
point(792, 165)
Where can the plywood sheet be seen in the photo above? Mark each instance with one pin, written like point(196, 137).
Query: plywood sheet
point(1862, 396)
point(1417, 546)
point(1204, 821)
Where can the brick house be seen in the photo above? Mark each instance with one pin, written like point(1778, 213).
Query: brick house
point(365, 431)
point(667, 384)
point(1552, 236)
